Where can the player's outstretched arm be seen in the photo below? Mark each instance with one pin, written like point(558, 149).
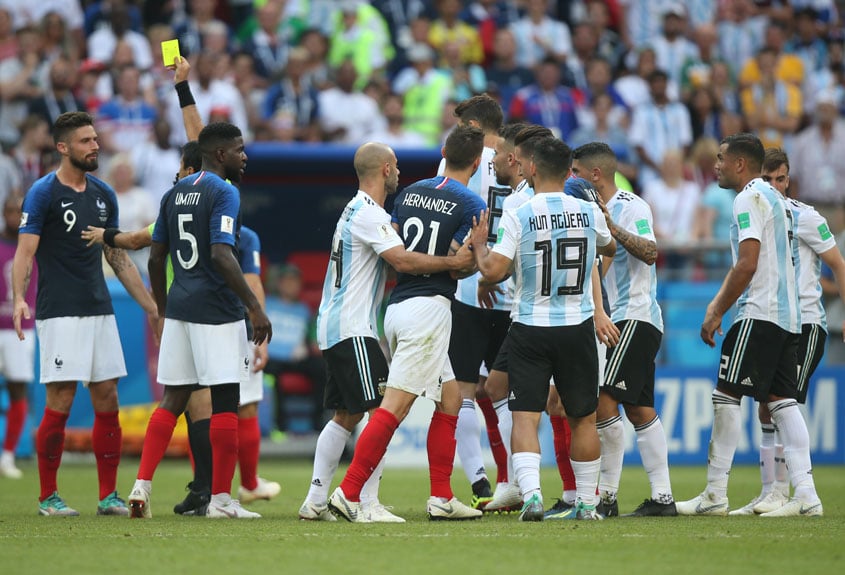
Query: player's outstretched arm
point(157, 268)
point(735, 283)
point(410, 262)
point(833, 259)
point(190, 113)
point(21, 274)
point(128, 275)
point(136, 240)
point(494, 267)
point(641, 248)
point(226, 264)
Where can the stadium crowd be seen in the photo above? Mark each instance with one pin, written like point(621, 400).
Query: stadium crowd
point(660, 81)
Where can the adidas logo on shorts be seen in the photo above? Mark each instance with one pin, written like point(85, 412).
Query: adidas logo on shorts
point(747, 382)
point(511, 396)
point(621, 385)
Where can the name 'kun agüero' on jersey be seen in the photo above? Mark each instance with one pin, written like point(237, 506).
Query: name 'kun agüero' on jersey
point(563, 220)
point(428, 203)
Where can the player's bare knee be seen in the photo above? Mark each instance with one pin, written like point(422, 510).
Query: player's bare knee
point(104, 395)
point(639, 415)
point(247, 411)
point(763, 413)
point(496, 386)
point(17, 390)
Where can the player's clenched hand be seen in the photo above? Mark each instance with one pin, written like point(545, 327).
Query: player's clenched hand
point(21, 312)
point(261, 328)
point(712, 323)
point(606, 330)
point(487, 295)
point(93, 235)
point(463, 260)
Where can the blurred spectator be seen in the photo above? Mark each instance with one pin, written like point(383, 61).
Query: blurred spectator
point(347, 115)
point(394, 134)
point(8, 39)
point(292, 350)
point(56, 38)
point(21, 79)
point(215, 40)
point(705, 115)
point(657, 127)
point(30, 153)
point(159, 77)
point(674, 202)
point(467, 79)
point(126, 121)
point(642, 20)
point(609, 45)
point(30, 13)
point(11, 183)
point(701, 167)
point(504, 74)
point(425, 90)
point(189, 31)
point(539, 37)
point(598, 77)
point(672, 49)
point(156, 162)
point(713, 223)
point(546, 102)
point(817, 169)
point(398, 16)
point(634, 88)
point(251, 87)
point(291, 105)
point(583, 51)
point(102, 43)
point(725, 91)
point(316, 69)
point(136, 205)
point(209, 92)
point(58, 97)
point(806, 43)
point(448, 28)
point(771, 107)
point(741, 33)
point(601, 128)
point(488, 17)
point(268, 44)
point(360, 33)
point(122, 57)
point(701, 12)
point(788, 67)
point(97, 15)
point(697, 69)
point(448, 121)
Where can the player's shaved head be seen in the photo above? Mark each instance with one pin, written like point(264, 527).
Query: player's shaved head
point(370, 158)
point(596, 155)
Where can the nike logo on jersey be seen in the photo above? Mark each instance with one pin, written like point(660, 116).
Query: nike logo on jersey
point(64, 205)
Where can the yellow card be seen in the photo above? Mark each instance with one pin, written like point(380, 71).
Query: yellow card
point(169, 52)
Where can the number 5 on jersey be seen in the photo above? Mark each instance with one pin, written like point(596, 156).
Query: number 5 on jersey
point(187, 236)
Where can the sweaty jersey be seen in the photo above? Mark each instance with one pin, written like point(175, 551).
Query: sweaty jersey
point(199, 211)
point(483, 184)
point(761, 213)
point(552, 241)
point(70, 280)
point(7, 296)
point(430, 214)
point(354, 284)
point(631, 283)
point(814, 238)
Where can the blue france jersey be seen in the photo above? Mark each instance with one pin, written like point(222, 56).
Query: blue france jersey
point(552, 241)
point(249, 251)
point(430, 214)
point(199, 211)
point(70, 275)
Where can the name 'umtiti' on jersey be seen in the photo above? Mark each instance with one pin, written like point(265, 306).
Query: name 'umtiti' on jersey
point(563, 220)
point(187, 198)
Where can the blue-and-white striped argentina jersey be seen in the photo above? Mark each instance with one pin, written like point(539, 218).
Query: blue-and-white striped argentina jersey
point(483, 183)
point(354, 285)
point(814, 238)
point(522, 193)
point(631, 283)
point(552, 241)
point(761, 213)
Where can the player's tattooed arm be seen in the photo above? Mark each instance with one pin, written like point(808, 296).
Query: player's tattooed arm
point(21, 275)
point(641, 248)
point(128, 275)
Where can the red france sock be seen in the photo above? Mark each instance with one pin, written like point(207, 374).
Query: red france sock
point(249, 441)
point(500, 454)
point(50, 443)
point(107, 441)
point(562, 439)
point(159, 432)
point(15, 417)
point(441, 453)
point(369, 450)
point(223, 434)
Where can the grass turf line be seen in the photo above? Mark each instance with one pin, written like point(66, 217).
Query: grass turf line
point(494, 544)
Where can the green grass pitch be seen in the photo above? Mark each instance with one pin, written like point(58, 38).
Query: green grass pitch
point(279, 543)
